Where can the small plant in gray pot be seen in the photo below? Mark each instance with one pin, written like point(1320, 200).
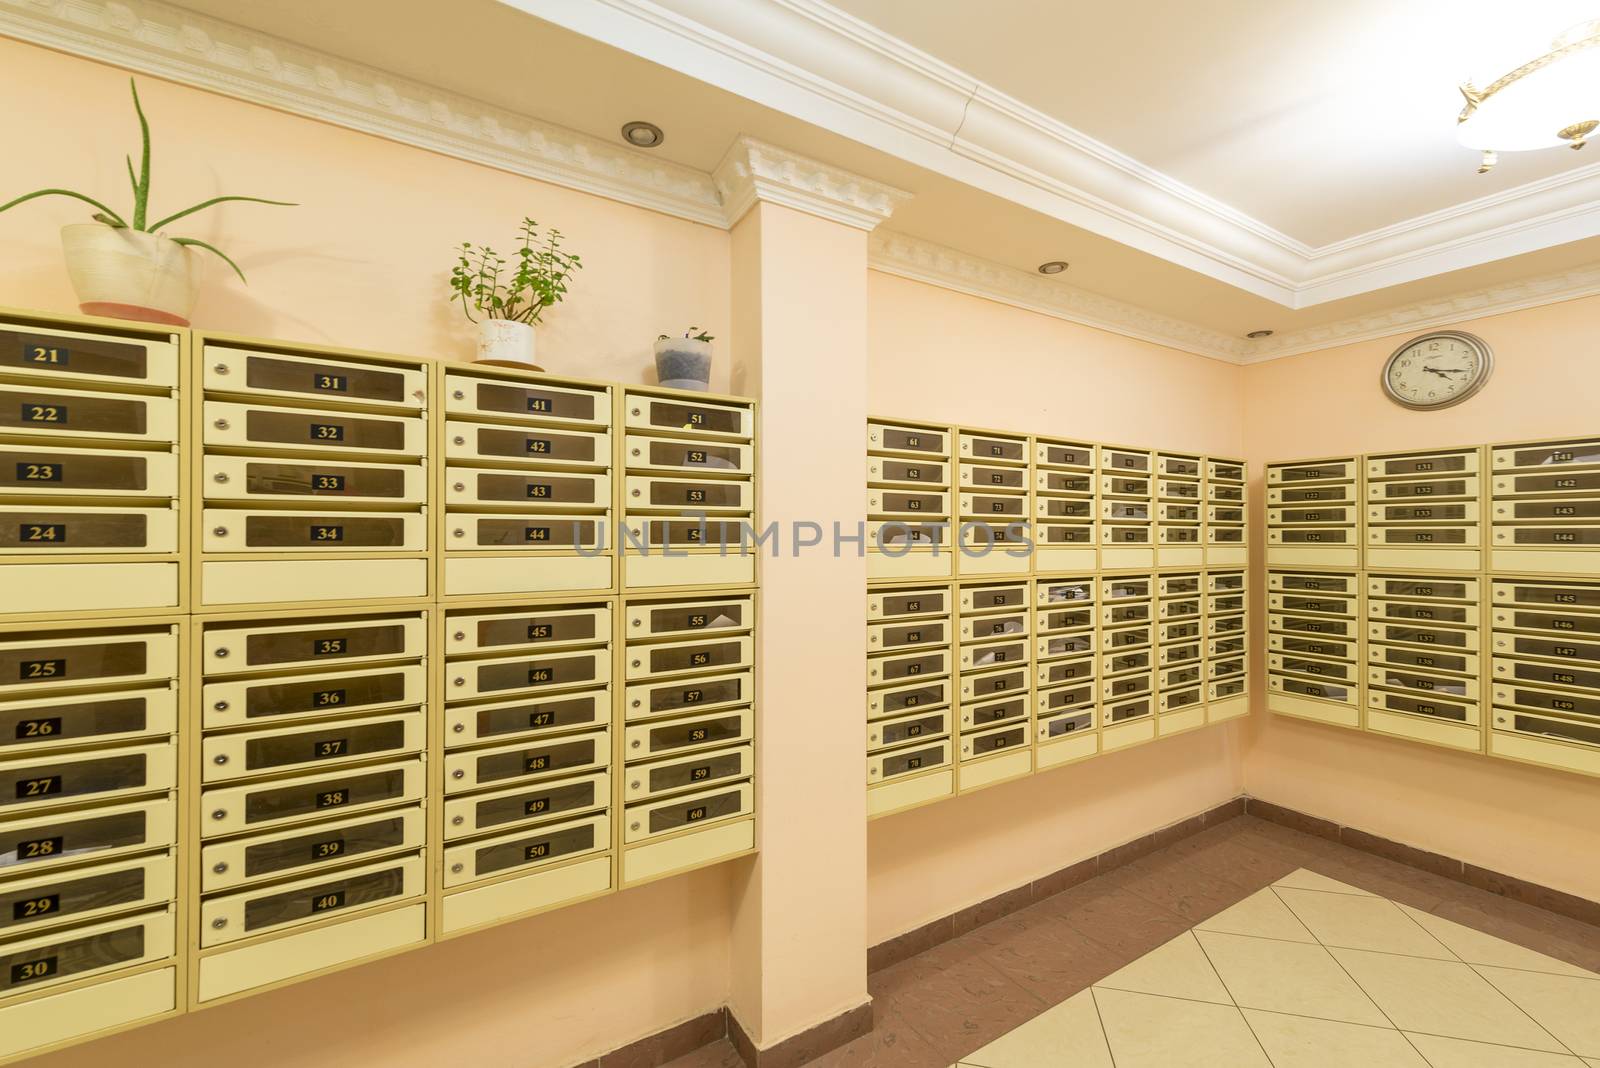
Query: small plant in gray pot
point(684, 362)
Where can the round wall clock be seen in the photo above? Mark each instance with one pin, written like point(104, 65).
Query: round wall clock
point(1437, 369)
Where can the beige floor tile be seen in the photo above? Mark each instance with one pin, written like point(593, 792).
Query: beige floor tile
point(1457, 1053)
point(1566, 1006)
point(1145, 1031)
point(1353, 922)
point(1288, 977)
point(1298, 1042)
point(1305, 879)
point(1440, 997)
point(1262, 914)
point(1068, 1034)
point(1177, 969)
point(1475, 947)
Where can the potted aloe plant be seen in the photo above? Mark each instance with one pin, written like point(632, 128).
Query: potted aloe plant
point(510, 299)
point(127, 267)
point(684, 362)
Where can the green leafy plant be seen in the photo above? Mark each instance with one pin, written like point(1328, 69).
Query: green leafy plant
point(694, 333)
point(484, 281)
point(141, 198)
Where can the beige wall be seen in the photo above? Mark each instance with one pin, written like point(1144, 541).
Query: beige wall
point(1528, 822)
point(945, 357)
point(363, 263)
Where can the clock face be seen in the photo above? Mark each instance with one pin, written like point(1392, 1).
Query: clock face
point(1437, 370)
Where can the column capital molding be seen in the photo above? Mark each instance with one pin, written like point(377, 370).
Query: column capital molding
point(753, 171)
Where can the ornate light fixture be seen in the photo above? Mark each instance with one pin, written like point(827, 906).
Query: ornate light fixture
point(1551, 100)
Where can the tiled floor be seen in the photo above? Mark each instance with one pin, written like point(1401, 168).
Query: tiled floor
point(943, 1006)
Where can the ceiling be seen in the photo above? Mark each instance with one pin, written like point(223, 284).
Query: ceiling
point(1204, 178)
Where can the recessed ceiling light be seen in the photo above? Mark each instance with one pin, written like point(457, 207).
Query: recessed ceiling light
point(642, 134)
point(1259, 334)
point(1053, 267)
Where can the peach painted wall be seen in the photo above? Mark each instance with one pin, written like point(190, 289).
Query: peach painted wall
point(1528, 822)
point(362, 263)
point(945, 357)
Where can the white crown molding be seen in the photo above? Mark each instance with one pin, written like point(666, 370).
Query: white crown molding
point(924, 261)
point(754, 170)
point(184, 46)
point(811, 60)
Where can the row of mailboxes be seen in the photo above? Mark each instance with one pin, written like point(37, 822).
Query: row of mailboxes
point(90, 471)
point(89, 829)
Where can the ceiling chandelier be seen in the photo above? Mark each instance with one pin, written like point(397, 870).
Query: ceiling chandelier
point(1548, 101)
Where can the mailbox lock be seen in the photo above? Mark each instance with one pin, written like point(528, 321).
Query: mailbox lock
point(458, 774)
point(221, 424)
point(220, 759)
point(458, 440)
point(218, 924)
point(221, 532)
point(220, 476)
point(220, 867)
point(458, 394)
point(221, 706)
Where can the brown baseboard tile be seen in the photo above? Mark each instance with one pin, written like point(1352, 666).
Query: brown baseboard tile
point(652, 1051)
point(808, 1045)
point(918, 939)
point(1507, 886)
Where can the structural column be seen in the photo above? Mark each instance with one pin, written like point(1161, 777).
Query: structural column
point(800, 322)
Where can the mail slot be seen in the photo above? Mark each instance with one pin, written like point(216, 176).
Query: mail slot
point(243, 860)
point(1319, 471)
point(528, 490)
point(1066, 671)
point(46, 723)
point(228, 919)
point(319, 795)
point(700, 418)
point(978, 504)
point(509, 719)
point(239, 478)
point(1050, 482)
point(1322, 691)
point(881, 734)
point(728, 495)
point(897, 502)
point(325, 532)
point(527, 804)
point(234, 756)
point(989, 743)
point(67, 355)
point(45, 842)
point(48, 781)
point(525, 849)
point(699, 732)
point(683, 813)
point(688, 695)
point(308, 430)
point(51, 661)
point(540, 447)
point(232, 649)
point(1537, 700)
point(897, 699)
point(469, 632)
point(48, 959)
point(1066, 698)
point(30, 410)
point(1432, 708)
point(53, 530)
point(720, 654)
point(1063, 454)
point(474, 678)
point(883, 469)
point(48, 470)
point(237, 703)
point(993, 684)
point(526, 401)
point(548, 532)
point(509, 763)
point(881, 636)
point(986, 714)
point(30, 905)
point(883, 437)
point(901, 762)
point(907, 603)
point(329, 380)
point(986, 477)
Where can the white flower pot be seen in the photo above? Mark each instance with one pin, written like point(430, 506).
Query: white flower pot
point(505, 343)
point(128, 274)
point(683, 363)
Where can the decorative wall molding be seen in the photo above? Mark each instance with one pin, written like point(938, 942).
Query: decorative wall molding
point(754, 170)
point(924, 261)
point(171, 42)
